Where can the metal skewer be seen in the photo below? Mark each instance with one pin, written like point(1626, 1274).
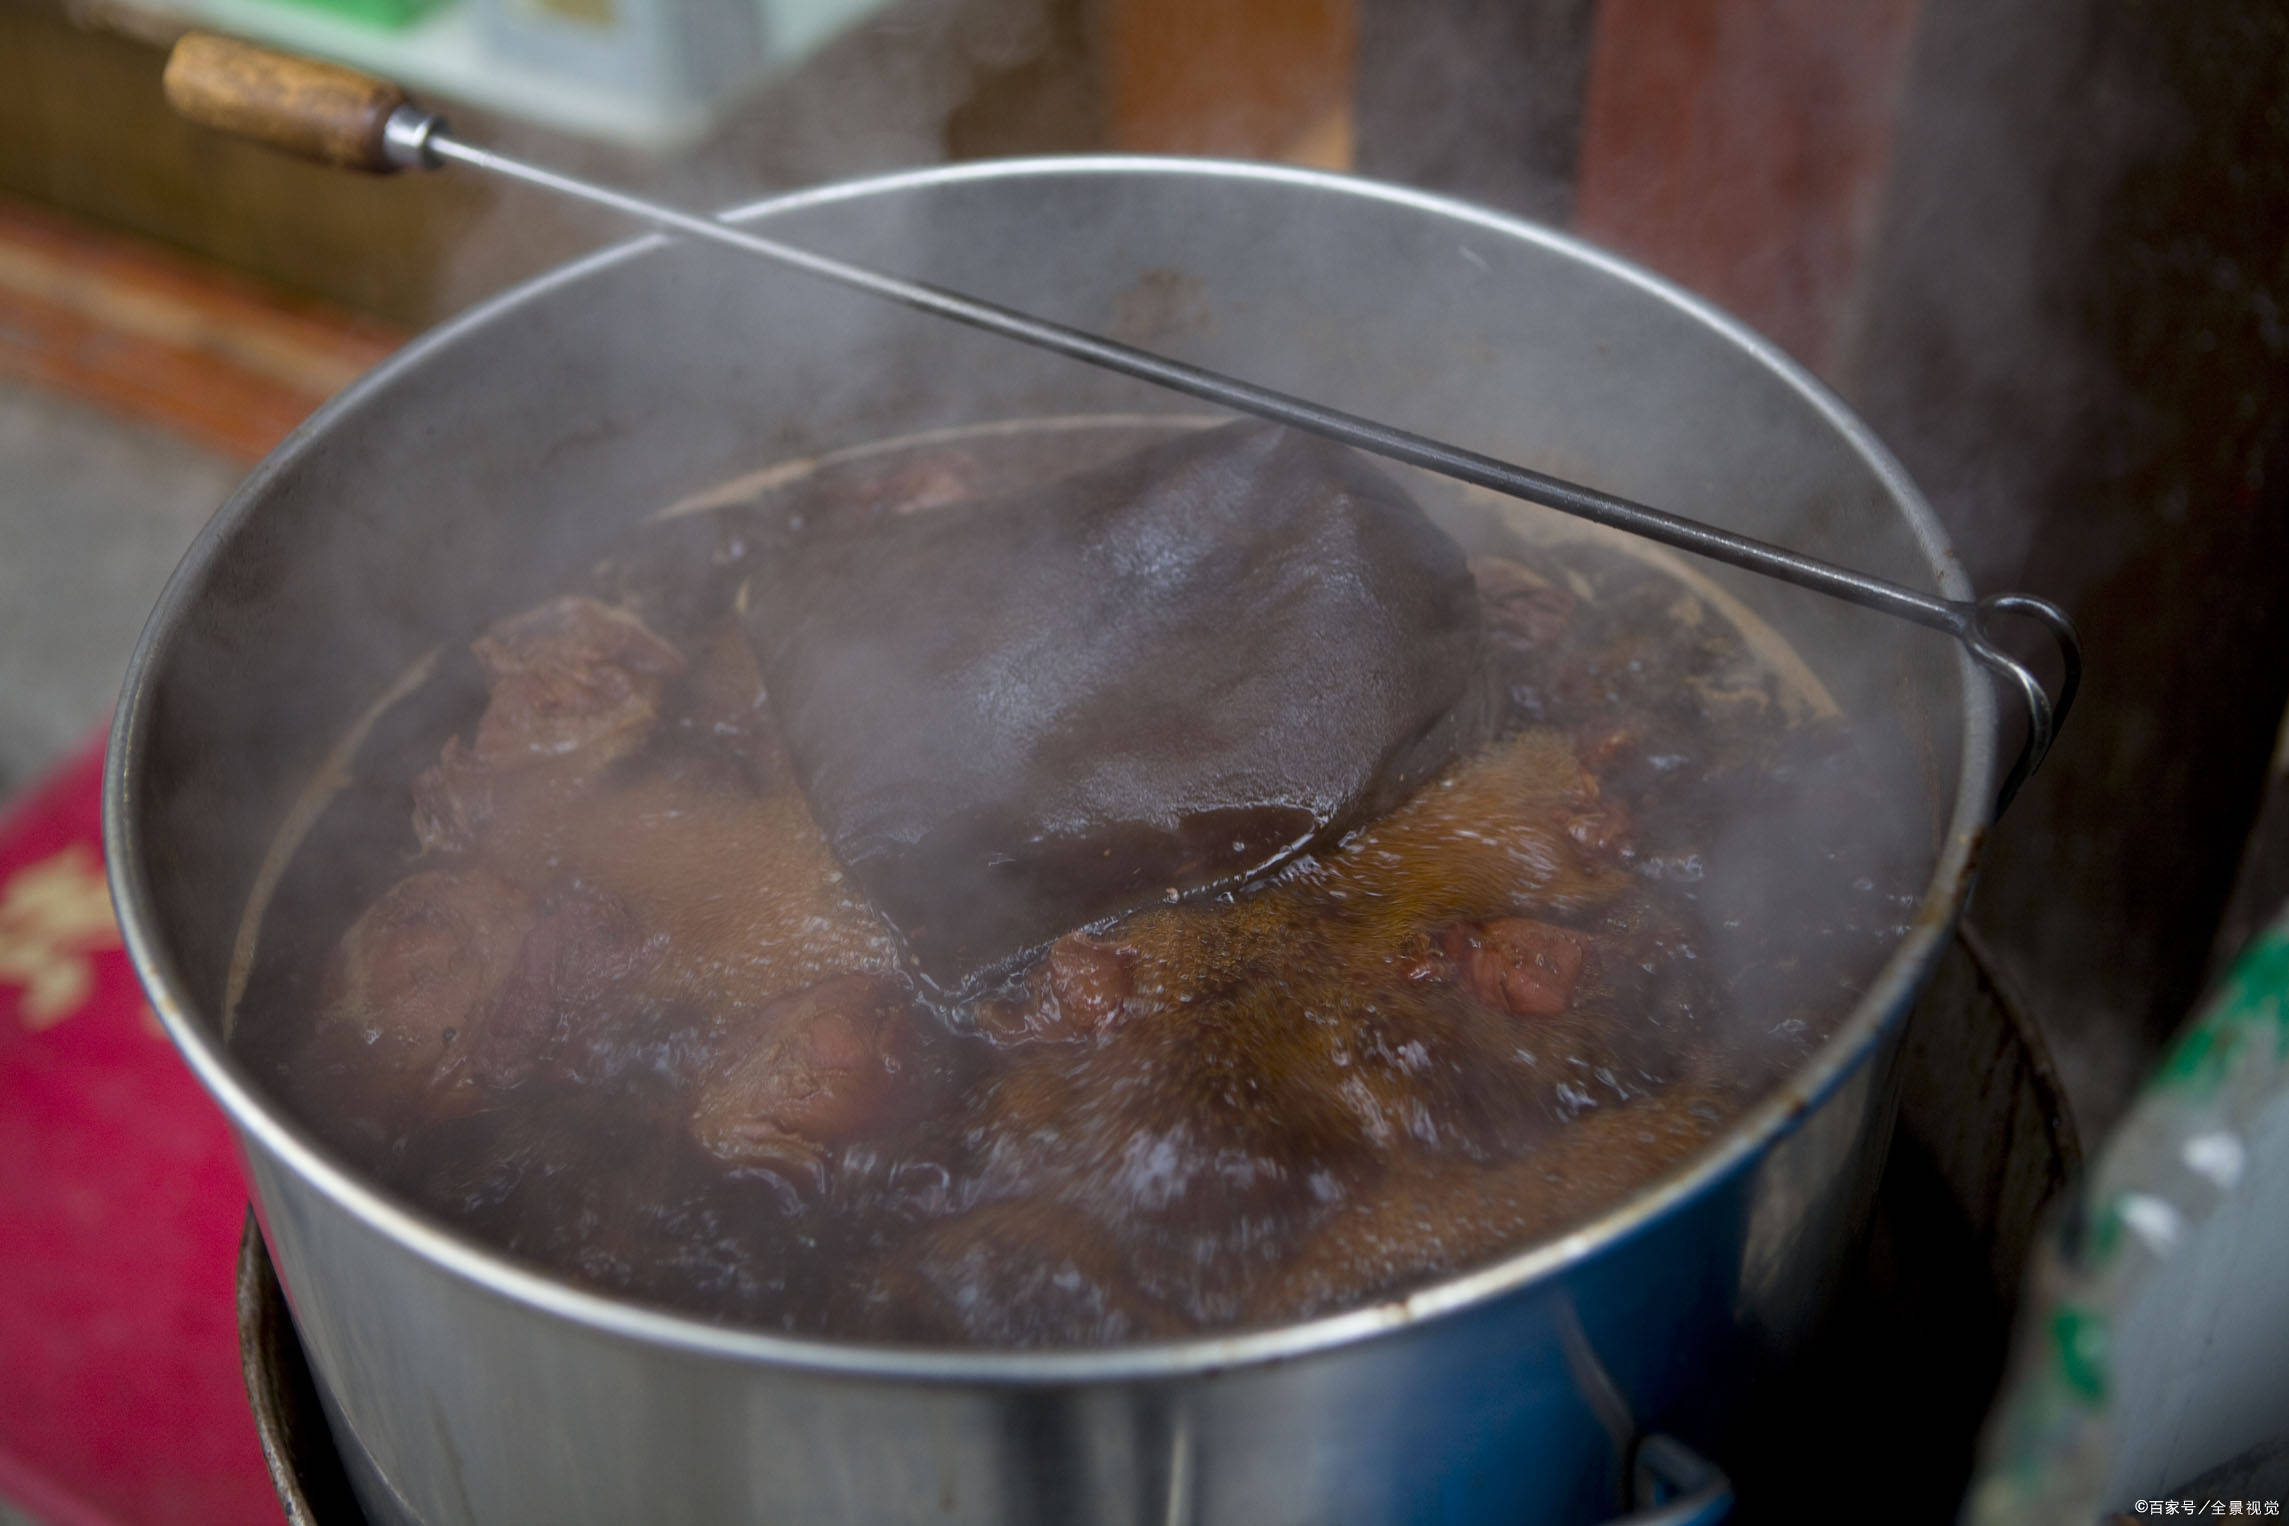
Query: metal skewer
point(340, 117)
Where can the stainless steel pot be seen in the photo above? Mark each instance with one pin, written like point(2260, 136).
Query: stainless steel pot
point(474, 469)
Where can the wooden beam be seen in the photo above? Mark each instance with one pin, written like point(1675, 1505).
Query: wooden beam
point(143, 331)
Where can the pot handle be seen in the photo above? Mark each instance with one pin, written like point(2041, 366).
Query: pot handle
point(2046, 713)
point(1673, 1485)
point(313, 110)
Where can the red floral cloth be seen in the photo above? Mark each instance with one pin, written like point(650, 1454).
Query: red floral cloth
point(120, 1206)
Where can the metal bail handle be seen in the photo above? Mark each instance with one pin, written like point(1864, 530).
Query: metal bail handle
point(415, 138)
point(1673, 1485)
point(2045, 713)
point(338, 117)
point(1666, 1481)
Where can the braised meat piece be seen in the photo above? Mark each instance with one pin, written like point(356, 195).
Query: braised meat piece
point(570, 676)
point(460, 985)
point(1016, 717)
point(819, 1068)
point(1516, 963)
point(1088, 981)
point(415, 977)
point(573, 687)
point(1272, 1053)
point(1489, 835)
point(1079, 988)
point(734, 894)
point(581, 949)
point(1209, 1138)
point(740, 891)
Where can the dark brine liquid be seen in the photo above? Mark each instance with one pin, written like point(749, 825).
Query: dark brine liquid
point(570, 967)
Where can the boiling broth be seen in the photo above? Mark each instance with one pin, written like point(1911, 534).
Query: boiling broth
point(608, 1004)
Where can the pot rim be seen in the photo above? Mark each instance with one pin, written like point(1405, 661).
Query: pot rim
point(262, 1125)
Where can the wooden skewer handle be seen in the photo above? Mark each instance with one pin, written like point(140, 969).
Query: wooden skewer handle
point(310, 109)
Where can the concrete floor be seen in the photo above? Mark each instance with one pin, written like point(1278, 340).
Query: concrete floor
point(95, 511)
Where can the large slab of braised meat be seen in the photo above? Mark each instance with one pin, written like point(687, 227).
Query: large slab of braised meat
point(1013, 717)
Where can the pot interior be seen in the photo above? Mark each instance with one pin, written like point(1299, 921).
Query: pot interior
point(484, 467)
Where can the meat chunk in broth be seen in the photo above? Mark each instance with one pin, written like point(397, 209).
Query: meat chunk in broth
point(740, 888)
point(1516, 963)
point(1082, 984)
point(733, 889)
point(417, 977)
point(573, 687)
point(571, 677)
point(1274, 1056)
point(582, 948)
point(822, 1067)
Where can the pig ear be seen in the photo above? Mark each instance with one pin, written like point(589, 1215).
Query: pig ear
point(1020, 716)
